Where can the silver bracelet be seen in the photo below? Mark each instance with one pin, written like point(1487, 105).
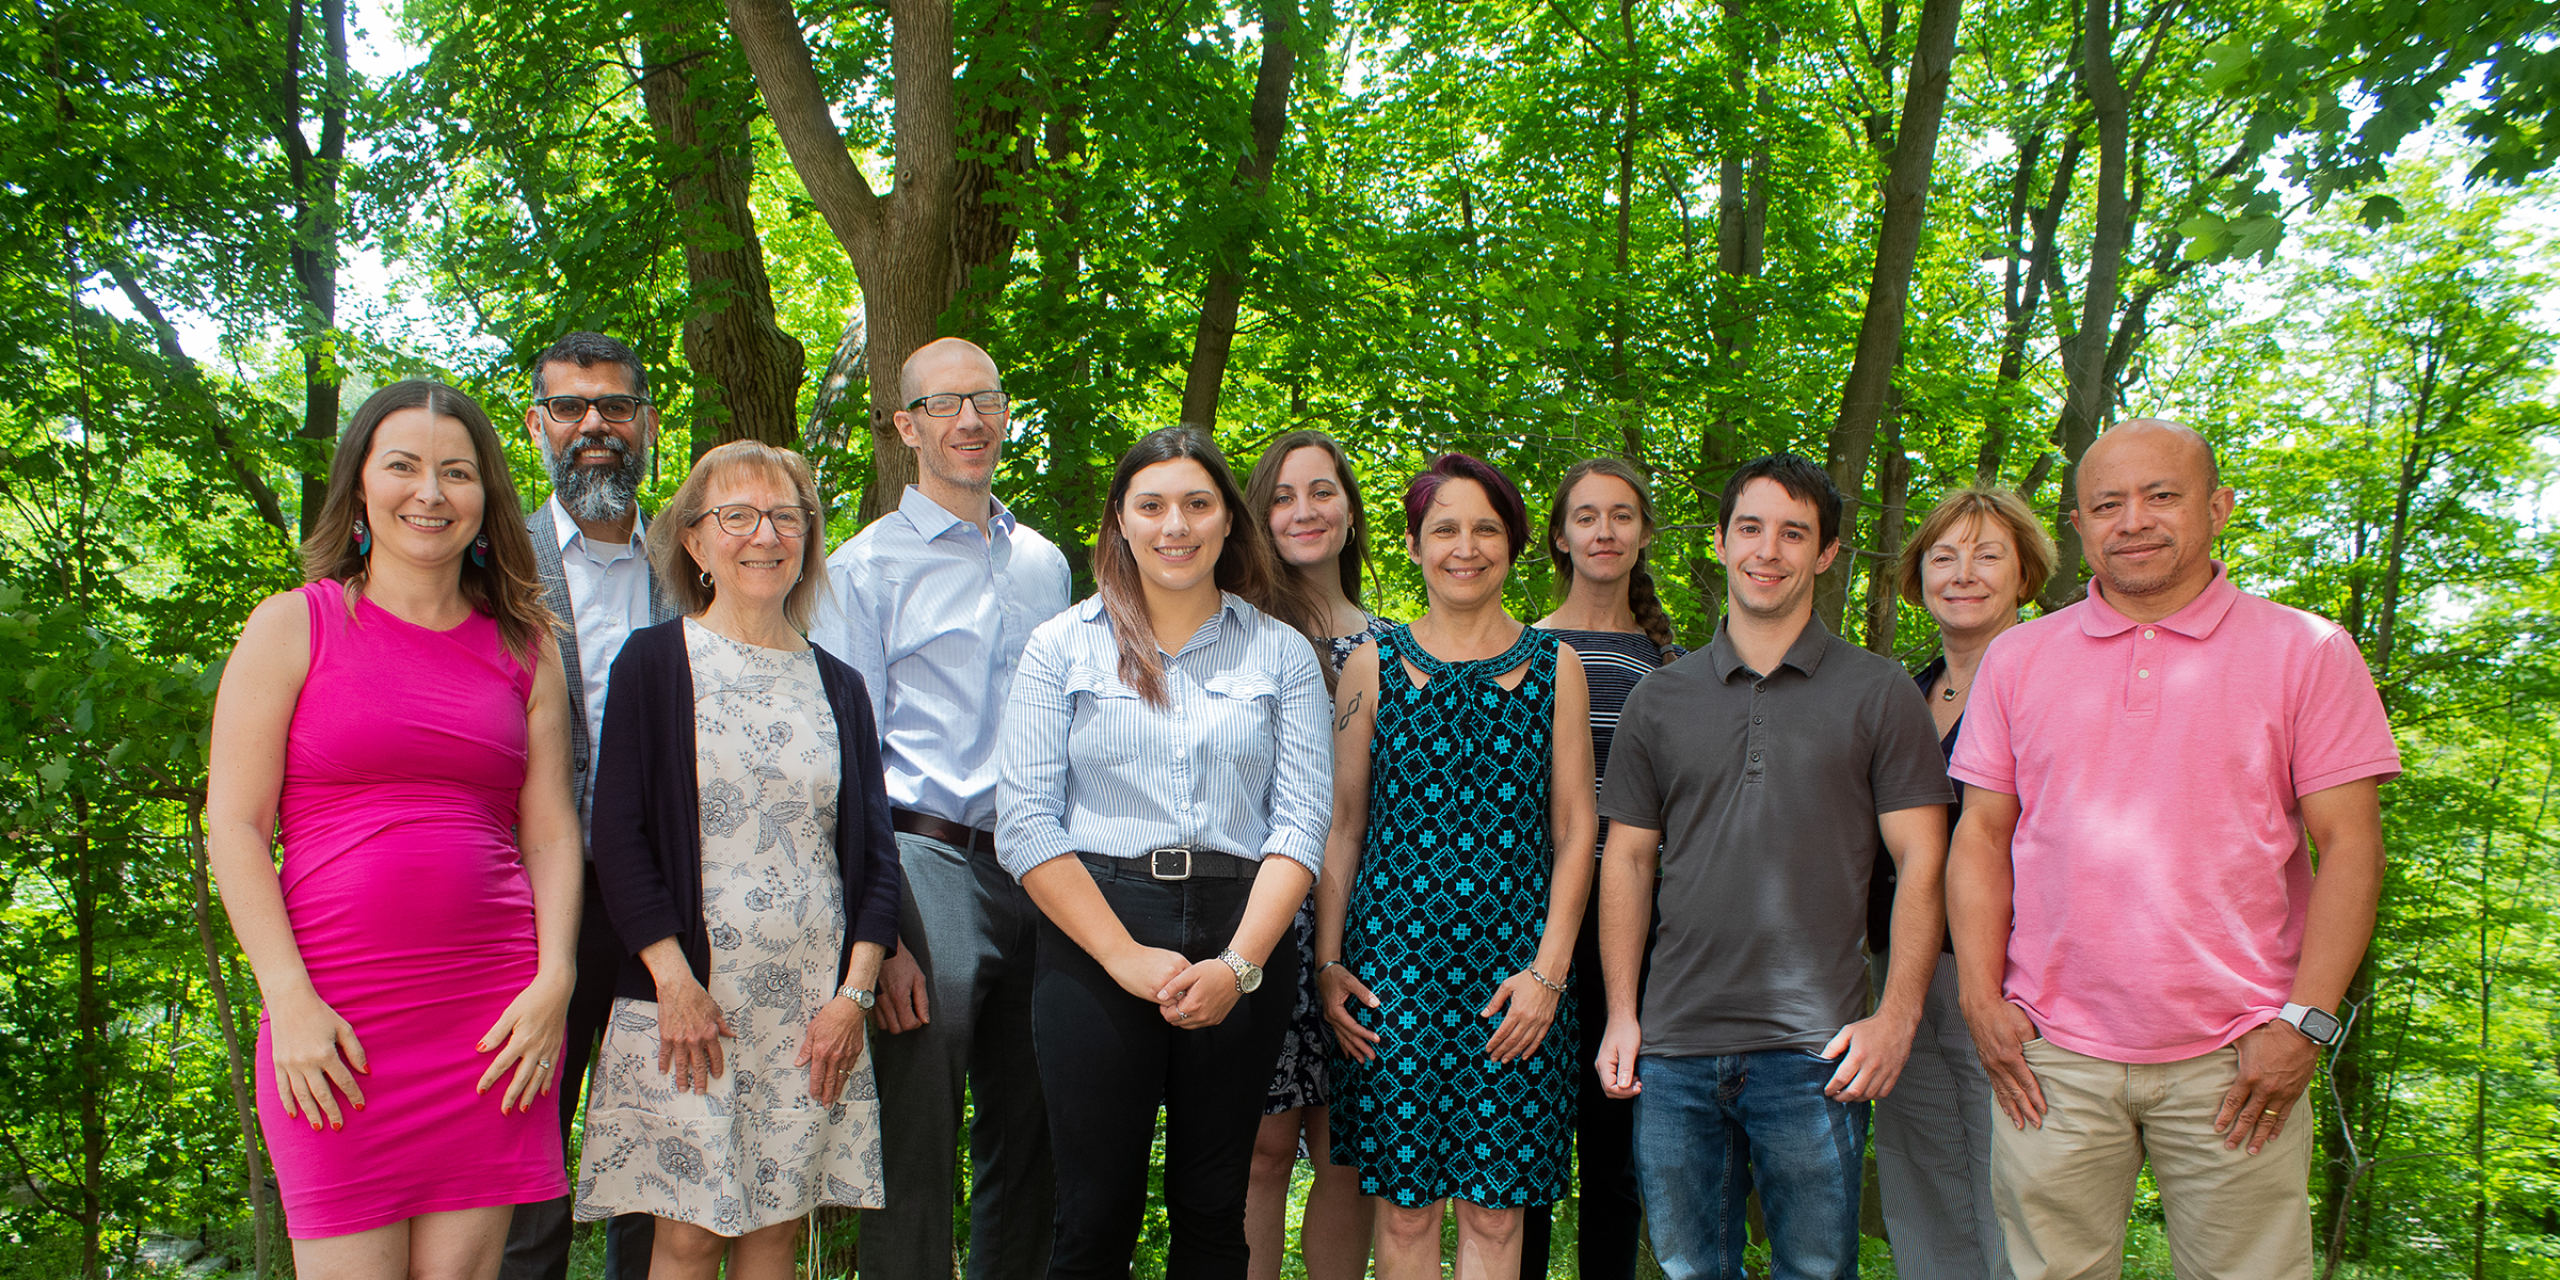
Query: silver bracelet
point(1556, 987)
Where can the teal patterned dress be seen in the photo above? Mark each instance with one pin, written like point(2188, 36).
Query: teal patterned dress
point(1450, 899)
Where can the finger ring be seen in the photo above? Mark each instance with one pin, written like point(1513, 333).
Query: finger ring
point(545, 1064)
point(1179, 1015)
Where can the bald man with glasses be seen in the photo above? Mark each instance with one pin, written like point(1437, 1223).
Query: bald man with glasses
point(594, 422)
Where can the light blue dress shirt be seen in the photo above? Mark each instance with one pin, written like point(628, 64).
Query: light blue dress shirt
point(934, 615)
point(1241, 761)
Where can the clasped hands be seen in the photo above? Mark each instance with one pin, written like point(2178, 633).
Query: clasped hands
point(1191, 994)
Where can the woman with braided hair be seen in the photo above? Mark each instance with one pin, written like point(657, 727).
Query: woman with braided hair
point(1597, 531)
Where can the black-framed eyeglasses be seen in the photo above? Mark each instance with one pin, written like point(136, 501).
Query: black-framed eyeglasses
point(991, 404)
point(739, 520)
point(569, 411)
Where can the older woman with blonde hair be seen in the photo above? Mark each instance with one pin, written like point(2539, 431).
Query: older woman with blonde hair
point(1973, 564)
point(743, 847)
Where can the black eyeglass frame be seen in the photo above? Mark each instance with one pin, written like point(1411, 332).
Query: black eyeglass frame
point(550, 408)
point(1004, 403)
point(808, 518)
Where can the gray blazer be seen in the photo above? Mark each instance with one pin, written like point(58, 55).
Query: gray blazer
point(555, 593)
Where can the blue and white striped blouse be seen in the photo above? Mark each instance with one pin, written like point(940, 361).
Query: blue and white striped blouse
point(1241, 761)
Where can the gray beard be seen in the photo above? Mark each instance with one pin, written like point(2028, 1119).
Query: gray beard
point(594, 493)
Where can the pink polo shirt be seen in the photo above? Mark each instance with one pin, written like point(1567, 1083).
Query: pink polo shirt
point(2162, 877)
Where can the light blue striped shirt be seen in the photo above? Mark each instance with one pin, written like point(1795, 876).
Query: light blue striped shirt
point(934, 615)
point(1241, 761)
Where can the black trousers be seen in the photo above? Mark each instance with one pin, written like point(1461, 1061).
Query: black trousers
point(1604, 1131)
point(1108, 1060)
point(538, 1234)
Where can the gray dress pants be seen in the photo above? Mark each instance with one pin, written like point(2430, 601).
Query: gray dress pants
point(1933, 1150)
point(974, 934)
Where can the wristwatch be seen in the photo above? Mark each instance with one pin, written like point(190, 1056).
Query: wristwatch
point(860, 996)
point(2319, 1026)
point(1248, 974)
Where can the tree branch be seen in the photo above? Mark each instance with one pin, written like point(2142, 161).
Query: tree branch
point(770, 33)
point(191, 376)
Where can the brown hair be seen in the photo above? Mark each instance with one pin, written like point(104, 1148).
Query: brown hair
point(508, 588)
point(1246, 565)
point(1641, 596)
point(682, 574)
point(2036, 555)
point(1263, 485)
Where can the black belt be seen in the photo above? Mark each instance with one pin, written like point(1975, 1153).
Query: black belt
point(1173, 862)
point(964, 839)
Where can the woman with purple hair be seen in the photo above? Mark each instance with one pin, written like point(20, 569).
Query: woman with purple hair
point(1452, 887)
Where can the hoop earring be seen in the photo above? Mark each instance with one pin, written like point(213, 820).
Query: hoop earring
point(480, 551)
point(364, 539)
point(705, 575)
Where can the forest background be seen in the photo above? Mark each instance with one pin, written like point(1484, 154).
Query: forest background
point(1929, 245)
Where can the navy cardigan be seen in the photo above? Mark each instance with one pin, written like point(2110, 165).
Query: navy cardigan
point(647, 828)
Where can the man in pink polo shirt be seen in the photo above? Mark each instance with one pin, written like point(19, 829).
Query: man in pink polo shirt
point(2145, 958)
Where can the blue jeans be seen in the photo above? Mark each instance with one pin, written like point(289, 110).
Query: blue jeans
point(1710, 1129)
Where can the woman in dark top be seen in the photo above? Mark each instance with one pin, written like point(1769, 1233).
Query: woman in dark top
point(1310, 506)
point(1597, 530)
point(1454, 882)
point(1978, 558)
point(742, 845)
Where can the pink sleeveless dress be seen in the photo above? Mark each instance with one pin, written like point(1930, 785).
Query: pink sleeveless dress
point(413, 914)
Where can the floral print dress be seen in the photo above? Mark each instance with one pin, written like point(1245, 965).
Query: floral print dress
point(757, 1149)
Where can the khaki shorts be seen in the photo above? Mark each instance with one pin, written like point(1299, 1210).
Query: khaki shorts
point(2063, 1191)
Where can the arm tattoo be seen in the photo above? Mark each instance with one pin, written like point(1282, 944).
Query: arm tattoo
point(1349, 711)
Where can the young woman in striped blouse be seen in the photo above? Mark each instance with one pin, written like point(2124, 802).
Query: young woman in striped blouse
point(1164, 792)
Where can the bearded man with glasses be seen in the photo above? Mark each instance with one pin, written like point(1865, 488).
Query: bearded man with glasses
point(593, 421)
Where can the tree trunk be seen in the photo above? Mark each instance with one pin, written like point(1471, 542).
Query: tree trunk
point(2023, 295)
point(1893, 482)
point(1224, 294)
point(244, 1107)
point(746, 370)
point(1906, 196)
point(899, 244)
point(1621, 387)
point(2085, 351)
point(89, 1053)
point(313, 177)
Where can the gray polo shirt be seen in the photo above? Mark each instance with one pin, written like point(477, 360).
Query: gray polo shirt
point(1766, 790)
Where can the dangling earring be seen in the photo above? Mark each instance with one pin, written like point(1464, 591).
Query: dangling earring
point(364, 539)
point(480, 551)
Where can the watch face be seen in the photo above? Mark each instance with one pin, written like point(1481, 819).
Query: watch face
point(1250, 979)
point(2319, 1026)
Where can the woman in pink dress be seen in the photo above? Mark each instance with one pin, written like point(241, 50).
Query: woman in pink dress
point(399, 726)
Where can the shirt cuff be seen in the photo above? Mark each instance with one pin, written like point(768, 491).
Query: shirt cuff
point(1298, 847)
point(1019, 858)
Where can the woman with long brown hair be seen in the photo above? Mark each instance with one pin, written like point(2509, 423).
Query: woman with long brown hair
point(1163, 797)
point(399, 725)
point(1309, 503)
point(1598, 529)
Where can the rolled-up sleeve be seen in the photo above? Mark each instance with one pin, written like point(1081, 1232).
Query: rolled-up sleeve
point(1031, 770)
point(1302, 777)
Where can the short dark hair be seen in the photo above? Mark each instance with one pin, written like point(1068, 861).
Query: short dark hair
point(1797, 474)
point(1498, 490)
point(586, 350)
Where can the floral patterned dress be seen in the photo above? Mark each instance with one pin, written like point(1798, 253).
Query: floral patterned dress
point(757, 1149)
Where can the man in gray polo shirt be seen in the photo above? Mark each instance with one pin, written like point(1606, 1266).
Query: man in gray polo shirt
point(1761, 774)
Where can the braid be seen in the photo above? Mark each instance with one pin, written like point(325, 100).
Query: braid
point(1647, 606)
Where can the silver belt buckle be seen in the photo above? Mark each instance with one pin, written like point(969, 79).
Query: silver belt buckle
point(1158, 860)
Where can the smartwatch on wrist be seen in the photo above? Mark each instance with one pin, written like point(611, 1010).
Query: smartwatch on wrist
point(2319, 1026)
